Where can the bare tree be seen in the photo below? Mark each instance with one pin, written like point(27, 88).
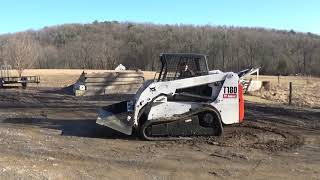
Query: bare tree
point(22, 51)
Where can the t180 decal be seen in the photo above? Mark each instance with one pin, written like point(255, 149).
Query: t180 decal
point(230, 91)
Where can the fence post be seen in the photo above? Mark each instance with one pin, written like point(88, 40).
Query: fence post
point(278, 79)
point(290, 93)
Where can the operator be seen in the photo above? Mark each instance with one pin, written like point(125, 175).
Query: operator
point(185, 72)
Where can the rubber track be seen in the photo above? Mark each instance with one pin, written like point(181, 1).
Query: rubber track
point(181, 117)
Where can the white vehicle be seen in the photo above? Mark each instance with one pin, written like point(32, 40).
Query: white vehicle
point(186, 99)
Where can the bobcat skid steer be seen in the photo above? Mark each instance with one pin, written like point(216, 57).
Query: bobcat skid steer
point(186, 99)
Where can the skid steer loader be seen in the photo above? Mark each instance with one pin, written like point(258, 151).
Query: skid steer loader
point(186, 99)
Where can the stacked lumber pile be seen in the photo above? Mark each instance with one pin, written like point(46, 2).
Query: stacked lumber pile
point(106, 83)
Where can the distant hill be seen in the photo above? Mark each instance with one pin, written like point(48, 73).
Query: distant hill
point(103, 45)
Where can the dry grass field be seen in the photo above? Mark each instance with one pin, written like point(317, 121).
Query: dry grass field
point(305, 91)
point(65, 77)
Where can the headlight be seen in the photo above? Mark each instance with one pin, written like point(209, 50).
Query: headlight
point(130, 106)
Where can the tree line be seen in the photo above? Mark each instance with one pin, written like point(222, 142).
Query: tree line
point(104, 45)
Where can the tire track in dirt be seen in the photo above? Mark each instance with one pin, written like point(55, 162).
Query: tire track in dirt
point(247, 135)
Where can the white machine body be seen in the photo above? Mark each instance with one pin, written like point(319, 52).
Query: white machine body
point(224, 98)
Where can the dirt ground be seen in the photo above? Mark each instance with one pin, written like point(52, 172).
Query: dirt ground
point(47, 134)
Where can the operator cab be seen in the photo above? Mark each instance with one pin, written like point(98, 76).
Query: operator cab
point(180, 66)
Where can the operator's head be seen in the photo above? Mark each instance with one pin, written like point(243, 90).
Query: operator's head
point(184, 66)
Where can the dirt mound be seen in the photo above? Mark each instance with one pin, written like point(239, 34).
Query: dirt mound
point(253, 135)
point(247, 135)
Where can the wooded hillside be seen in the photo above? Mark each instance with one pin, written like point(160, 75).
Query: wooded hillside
point(103, 45)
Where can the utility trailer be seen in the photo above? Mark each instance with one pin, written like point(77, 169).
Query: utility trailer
point(7, 78)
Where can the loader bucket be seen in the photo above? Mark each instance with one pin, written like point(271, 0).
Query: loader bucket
point(115, 116)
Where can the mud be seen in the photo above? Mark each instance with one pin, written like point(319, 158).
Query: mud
point(47, 134)
point(246, 135)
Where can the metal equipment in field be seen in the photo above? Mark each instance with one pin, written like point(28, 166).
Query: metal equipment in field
point(186, 99)
point(6, 77)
